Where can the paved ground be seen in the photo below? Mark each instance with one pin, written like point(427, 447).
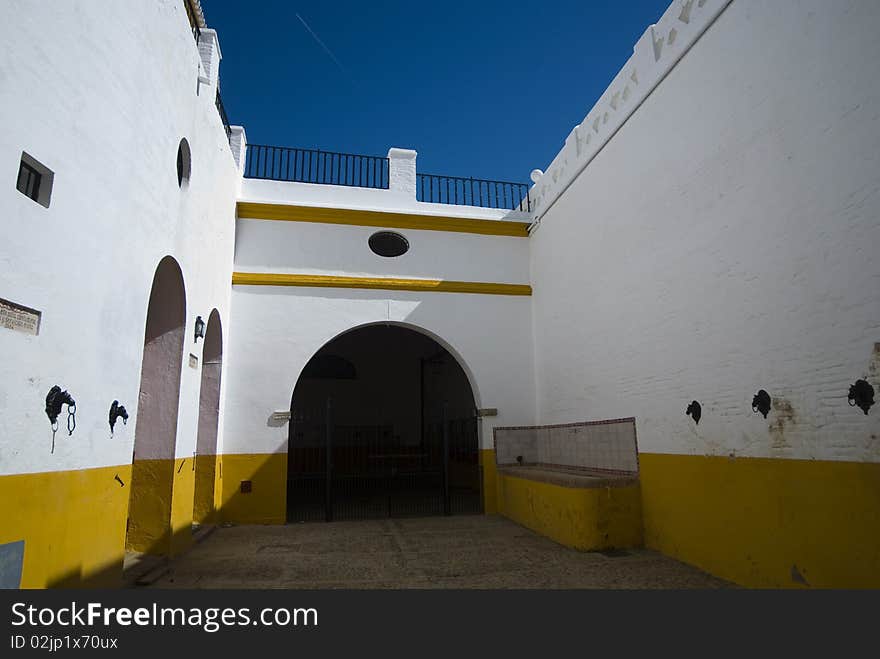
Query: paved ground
point(438, 552)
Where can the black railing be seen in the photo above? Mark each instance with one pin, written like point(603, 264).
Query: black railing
point(225, 119)
point(281, 163)
point(464, 191)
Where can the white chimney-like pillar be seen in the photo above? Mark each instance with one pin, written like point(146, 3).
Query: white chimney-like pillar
point(402, 172)
point(209, 52)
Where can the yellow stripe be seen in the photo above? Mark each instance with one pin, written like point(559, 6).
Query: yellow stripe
point(766, 522)
point(490, 481)
point(582, 518)
point(72, 523)
point(363, 218)
point(204, 494)
point(266, 503)
point(382, 283)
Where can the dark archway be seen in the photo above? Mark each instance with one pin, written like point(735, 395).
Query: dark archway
point(383, 424)
point(209, 411)
point(152, 478)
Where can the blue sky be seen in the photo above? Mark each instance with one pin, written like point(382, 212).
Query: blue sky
point(483, 89)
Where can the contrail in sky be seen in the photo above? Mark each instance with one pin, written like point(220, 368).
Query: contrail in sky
point(321, 43)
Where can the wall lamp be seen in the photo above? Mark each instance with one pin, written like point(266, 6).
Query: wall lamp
point(200, 329)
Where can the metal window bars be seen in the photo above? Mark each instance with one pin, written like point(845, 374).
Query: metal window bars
point(223, 117)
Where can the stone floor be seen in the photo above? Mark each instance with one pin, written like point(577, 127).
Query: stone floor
point(438, 552)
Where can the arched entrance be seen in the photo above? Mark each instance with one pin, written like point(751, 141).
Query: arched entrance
point(152, 478)
point(209, 409)
point(383, 424)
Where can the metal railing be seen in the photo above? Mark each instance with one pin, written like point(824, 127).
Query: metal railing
point(223, 117)
point(281, 163)
point(468, 191)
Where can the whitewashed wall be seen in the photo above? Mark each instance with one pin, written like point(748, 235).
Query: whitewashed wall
point(276, 330)
point(333, 249)
point(340, 196)
point(724, 240)
point(102, 93)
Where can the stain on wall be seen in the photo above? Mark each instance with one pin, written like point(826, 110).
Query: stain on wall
point(874, 365)
point(784, 418)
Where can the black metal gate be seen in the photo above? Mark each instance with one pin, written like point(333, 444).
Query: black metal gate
point(343, 472)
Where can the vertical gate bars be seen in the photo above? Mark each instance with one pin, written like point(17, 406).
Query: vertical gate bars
point(328, 495)
point(446, 502)
point(367, 472)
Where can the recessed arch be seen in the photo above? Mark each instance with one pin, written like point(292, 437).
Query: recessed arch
point(401, 438)
point(204, 511)
point(329, 367)
point(149, 513)
point(472, 380)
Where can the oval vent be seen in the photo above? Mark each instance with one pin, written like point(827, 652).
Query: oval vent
point(388, 243)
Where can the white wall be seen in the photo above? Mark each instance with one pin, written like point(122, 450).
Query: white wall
point(725, 240)
point(102, 93)
point(655, 54)
point(314, 248)
point(276, 330)
point(340, 196)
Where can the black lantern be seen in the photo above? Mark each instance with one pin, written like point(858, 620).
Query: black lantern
point(200, 329)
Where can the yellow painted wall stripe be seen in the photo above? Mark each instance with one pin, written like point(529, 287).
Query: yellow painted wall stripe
point(72, 523)
point(490, 481)
point(364, 218)
point(382, 283)
point(585, 518)
point(204, 496)
point(149, 508)
point(756, 521)
point(766, 522)
point(266, 503)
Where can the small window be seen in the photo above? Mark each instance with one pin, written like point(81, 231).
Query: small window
point(29, 181)
point(184, 162)
point(389, 244)
point(35, 180)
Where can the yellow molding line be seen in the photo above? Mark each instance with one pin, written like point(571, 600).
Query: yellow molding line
point(363, 218)
point(382, 283)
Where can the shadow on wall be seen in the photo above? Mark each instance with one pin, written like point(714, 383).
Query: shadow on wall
point(81, 571)
point(212, 489)
point(70, 530)
point(150, 505)
point(154, 469)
